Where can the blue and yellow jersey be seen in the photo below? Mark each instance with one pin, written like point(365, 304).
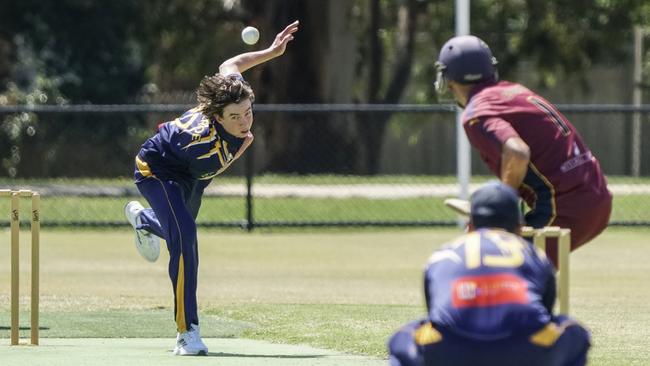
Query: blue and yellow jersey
point(489, 284)
point(191, 147)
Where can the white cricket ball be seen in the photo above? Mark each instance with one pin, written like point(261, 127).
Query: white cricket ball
point(250, 35)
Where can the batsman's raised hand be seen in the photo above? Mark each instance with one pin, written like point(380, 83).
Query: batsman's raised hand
point(279, 45)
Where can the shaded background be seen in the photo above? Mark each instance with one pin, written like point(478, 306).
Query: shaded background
point(94, 78)
point(361, 51)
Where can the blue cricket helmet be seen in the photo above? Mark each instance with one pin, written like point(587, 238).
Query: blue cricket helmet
point(465, 60)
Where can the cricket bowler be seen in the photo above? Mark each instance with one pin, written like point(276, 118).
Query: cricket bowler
point(174, 167)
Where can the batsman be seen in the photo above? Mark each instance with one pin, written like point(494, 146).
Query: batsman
point(527, 143)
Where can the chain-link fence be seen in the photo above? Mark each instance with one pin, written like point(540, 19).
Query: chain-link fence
point(310, 165)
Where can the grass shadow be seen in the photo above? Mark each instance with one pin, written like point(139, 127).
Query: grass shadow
point(245, 355)
point(4, 327)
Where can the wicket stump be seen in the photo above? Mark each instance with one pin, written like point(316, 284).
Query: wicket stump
point(15, 261)
point(564, 248)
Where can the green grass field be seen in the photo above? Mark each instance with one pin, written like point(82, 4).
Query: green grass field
point(344, 292)
point(229, 209)
point(72, 209)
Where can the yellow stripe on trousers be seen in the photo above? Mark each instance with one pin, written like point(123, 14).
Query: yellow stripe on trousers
point(180, 297)
point(180, 278)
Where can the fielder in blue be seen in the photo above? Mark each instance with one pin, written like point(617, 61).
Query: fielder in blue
point(174, 167)
point(489, 297)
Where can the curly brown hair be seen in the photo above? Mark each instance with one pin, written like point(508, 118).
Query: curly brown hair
point(217, 91)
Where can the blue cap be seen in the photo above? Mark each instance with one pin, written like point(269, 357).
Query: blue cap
point(496, 205)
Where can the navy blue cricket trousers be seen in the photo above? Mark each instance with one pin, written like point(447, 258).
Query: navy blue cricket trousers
point(172, 216)
point(562, 343)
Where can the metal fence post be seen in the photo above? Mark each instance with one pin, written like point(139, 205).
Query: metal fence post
point(636, 101)
point(248, 169)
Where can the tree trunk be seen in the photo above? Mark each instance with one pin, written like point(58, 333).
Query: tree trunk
point(313, 70)
point(374, 125)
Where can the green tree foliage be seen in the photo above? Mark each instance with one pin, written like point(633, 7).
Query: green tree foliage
point(182, 41)
point(563, 38)
point(90, 46)
point(54, 52)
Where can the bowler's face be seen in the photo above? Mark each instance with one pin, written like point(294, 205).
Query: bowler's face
point(237, 118)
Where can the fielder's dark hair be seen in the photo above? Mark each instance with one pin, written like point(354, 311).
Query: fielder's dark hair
point(217, 91)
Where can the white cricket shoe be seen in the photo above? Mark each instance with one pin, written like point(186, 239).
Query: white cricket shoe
point(148, 244)
point(190, 344)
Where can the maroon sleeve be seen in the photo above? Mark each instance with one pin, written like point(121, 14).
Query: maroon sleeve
point(488, 135)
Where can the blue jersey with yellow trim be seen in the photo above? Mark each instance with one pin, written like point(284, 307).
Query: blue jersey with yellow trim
point(489, 284)
point(188, 148)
